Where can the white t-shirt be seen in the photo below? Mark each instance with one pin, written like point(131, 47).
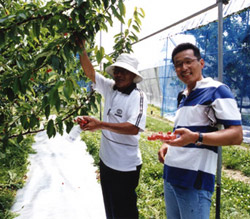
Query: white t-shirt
point(119, 151)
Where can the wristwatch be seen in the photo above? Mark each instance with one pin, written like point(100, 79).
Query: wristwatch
point(199, 140)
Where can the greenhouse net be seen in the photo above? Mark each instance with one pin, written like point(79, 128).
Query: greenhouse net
point(162, 85)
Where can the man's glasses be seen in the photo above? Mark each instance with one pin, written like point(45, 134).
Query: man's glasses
point(186, 62)
point(120, 70)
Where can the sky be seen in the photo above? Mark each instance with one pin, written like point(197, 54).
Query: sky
point(158, 15)
point(161, 13)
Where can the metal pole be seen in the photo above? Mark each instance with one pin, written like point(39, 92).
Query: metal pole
point(220, 72)
point(100, 71)
point(178, 22)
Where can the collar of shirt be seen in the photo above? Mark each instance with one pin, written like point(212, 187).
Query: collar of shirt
point(128, 90)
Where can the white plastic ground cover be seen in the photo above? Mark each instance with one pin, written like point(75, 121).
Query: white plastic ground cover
point(61, 182)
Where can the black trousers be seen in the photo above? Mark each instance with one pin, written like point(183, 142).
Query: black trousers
point(119, 194)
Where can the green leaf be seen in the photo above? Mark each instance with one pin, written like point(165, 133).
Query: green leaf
point(136, 28)
point(40, 61)
point(69, 126)
point(47, 111)
point(58, 104)
point(120, 18)
point(142, 14)
point(7, 18)
point(106, 3)
point(33, 121)
point(68, 88)
point(24, 121)
point(67, 51)
point(19, 138)
point(26, 77)
point(10, 94)
point(36, 29)
point(45, 101)
point(51, 131)
point(79, 2)
point(54, 98)
point(2, 38)
point(55, 62)
point(129, 22)
point(100, 54)
point(122, 7)
point(21, 15)
point(60, 125)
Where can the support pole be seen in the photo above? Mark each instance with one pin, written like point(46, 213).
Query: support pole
point(220, 78)
point(100, 71)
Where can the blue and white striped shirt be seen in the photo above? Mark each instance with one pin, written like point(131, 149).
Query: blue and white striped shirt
point(194, 166)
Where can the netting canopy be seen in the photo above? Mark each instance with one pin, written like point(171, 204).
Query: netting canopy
point(162, 85)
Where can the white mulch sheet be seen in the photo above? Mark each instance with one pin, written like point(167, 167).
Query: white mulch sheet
point(61, 182)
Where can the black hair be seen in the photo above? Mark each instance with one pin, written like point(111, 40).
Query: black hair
point(184, 46)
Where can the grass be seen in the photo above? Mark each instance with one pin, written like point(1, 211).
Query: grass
point(235, 195)
point(237, 159)
point(13, 162)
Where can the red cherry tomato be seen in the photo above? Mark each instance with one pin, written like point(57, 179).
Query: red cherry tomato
point(150, 138)
point(80, 121)
point(159, 135)
point(166, 137)
point(153, 136)
point(172, 136)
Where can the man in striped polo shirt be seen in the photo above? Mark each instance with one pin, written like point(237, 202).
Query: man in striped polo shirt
point(190, 160)
point(124, 117)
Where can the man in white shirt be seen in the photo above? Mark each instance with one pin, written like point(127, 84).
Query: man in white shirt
point(123, 119)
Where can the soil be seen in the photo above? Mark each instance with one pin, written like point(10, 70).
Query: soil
point(236, 175)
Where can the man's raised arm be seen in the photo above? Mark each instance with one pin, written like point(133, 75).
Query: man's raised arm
point(86, 64)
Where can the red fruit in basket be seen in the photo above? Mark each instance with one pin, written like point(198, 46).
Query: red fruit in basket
point(169, 132)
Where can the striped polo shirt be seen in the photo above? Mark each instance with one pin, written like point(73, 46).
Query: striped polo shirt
point(194, 166)
point(118, 151)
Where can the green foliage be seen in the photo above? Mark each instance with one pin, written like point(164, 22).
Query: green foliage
point(155, 125)
point(237, 158)
point(92, 140)
point(39, 72)
point(125, 39)
point(12, 173)
point(150, 190)
point(234, 199)
point(38, 68)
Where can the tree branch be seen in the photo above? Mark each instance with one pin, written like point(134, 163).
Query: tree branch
point(69, 115)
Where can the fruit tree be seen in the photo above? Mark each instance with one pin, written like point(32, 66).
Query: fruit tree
point(39, 71)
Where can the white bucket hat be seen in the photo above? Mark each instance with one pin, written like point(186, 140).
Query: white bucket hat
point(128, 62)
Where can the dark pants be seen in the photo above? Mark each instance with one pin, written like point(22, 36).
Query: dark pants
point(119, 194)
